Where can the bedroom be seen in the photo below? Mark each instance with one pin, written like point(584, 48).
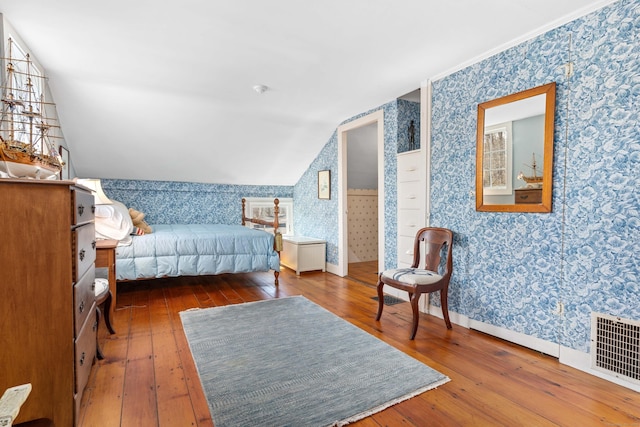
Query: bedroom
point(602, 151)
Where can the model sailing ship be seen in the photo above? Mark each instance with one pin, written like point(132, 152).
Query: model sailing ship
point(535, 180)
point(26, 150)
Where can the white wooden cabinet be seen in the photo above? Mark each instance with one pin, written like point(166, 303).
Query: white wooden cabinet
point(411, 203)
point(412, 196)
point(303, 253)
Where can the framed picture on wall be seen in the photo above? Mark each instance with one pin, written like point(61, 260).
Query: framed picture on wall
point(64, 154)
point(324, 184)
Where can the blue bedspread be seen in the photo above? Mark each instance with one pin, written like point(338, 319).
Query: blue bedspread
point(196, 249)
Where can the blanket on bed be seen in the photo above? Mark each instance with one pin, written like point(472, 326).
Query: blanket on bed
point(196, 249)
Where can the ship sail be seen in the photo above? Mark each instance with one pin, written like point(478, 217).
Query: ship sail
point(26, 147)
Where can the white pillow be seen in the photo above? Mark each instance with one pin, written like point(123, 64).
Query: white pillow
point(113, 222)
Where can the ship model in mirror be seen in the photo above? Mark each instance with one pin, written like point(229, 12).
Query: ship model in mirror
point(26, 148)
point(534, 180)
point(512, 131)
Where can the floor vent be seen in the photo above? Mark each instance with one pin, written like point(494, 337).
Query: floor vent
point(615, 346)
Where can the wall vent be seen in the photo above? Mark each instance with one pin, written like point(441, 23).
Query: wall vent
point(615, 346)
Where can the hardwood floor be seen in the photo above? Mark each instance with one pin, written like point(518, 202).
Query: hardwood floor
point(148, 377)
point(366, 272)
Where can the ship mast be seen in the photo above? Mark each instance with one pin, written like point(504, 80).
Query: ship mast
point(10, 99)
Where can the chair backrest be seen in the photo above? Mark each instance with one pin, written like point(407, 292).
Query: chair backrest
point(437, 241)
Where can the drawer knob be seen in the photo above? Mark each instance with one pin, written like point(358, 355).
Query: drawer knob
point(82, 359)
point(411, 169)
point(81, 308)
point(80, 210)
point(81, 254)
point(93, 244)
point(411, 196)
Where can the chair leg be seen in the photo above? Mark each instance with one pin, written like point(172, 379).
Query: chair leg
point(445, 306)
point(416, 314)
point(99, 354)
point(107, 315)
point(380, 299)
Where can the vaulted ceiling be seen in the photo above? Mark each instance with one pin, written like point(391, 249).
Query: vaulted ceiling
point(164, 89)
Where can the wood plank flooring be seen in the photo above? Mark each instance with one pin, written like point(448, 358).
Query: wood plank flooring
point(148, 377)
point(366, 272)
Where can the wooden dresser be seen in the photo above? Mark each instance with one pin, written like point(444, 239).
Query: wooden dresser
point(528, 195)
point(47, 307)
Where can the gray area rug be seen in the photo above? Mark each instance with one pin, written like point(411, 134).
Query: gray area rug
point(290, 362)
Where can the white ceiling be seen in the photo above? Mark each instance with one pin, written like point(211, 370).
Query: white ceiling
point(163, 89)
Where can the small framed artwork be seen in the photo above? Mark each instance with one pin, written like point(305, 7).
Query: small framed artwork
point(324, 184)
point(64, 154)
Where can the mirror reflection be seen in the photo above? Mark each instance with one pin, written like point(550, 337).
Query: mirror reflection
point(515, 152)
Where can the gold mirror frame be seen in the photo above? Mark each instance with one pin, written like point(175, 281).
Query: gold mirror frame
point(547, 167)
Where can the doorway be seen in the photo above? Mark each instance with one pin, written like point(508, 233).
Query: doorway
point(361, 164)
point(362, 203)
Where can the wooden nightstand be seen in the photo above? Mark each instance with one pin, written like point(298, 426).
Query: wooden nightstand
point(106, 257)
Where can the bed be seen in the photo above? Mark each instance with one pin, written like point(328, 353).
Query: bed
point(201, 249)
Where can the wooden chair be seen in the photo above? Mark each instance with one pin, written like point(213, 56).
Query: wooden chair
point(103, 306)
point(416, 281)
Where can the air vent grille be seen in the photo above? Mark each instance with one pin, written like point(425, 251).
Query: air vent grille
point(615, 346)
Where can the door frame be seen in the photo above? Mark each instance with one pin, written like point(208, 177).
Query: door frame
point(343, 239)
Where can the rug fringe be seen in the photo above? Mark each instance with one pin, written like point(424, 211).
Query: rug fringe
point(390, 403)
point(243, 303)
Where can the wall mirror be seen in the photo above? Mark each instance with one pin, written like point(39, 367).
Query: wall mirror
point(514, 151)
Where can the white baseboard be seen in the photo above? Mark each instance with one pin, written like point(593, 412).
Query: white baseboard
point(455, 318)
point(582, 361)
point(332, 268)
point(567, 356)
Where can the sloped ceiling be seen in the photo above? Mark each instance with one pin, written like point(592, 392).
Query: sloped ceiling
point(163, 89)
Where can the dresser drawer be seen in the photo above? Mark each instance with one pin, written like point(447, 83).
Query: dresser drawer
point(405, 249)
point(409, 167)
point(83, 298)
point(85, 349)
point(409, 222)
point(84, 249)
point(411, 195)
point(528, 195)
point(83, 207)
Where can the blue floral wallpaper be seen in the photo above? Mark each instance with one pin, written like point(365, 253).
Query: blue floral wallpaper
point(323, 224)
point(166, 202)
point(512, 270)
